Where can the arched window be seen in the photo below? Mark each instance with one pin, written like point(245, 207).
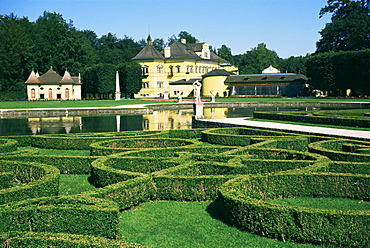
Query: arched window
point(178, 69)
point(33, 93)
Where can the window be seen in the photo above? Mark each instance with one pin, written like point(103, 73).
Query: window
point(171, 70)
point(178, 69)
point(33, 93)
point(145, 85)
point(159, 84)
point(145, 70)
point(144, 94)
point(159, 68)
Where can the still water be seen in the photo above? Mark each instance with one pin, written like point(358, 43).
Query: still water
point(158, 120)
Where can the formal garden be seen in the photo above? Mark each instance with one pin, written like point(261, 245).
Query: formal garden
point(220, 187)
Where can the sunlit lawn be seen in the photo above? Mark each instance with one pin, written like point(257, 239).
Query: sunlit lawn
point(113, 103)
point(187, 224)
point(74, 184)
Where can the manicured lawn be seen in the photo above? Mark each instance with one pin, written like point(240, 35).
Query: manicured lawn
point(74, 184)
point(113, 103)
point(325, 203)
point(187, 224)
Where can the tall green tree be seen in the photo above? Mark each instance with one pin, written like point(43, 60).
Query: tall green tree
point(115, 51)
point(294, 64)
point(225, 53)
point(182, 35)
point(100, 81)
point(349, 28)
point(59, 44)
point(257, 59)
point(15, 48)
point(130, 78)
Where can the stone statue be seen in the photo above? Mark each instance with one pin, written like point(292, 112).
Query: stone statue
point(212, 95)
point(179, 95)
point(197, 85)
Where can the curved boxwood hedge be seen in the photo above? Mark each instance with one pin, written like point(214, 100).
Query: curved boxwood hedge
point(8, 145)
point(245, 201)
point(104, 148)
point(341, 150)
point(30, 180)
point(82, 141)
point(196, 172)
point(68, 214)
point(337, 117)
point(61, 240)
point(238, 136)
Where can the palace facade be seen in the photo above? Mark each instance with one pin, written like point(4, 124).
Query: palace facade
point(175, 69)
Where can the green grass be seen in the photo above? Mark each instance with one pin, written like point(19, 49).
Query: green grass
point(113, 103)
point(187, 224)
point(42, 151)
point(74, 184)
point(325, 203)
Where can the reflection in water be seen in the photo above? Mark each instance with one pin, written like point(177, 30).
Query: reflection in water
point(159, 120)
point(54, 125)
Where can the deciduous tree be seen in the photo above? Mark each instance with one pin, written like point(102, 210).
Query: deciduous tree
point(257, 59)
point(349, 28)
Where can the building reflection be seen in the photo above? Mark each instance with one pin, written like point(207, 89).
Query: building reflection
point(54, 125)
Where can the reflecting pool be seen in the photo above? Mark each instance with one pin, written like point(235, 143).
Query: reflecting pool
point(158, 120)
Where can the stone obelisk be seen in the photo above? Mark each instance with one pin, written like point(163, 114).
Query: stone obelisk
point(118, 91)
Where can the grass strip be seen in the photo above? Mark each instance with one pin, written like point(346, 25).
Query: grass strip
point(113, 103)
point(74, 184)
point(187, 224)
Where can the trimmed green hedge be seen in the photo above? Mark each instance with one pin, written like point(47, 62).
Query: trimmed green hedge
point(68, 214)
point(60, 240)
point(82, 141)
point(246, 205)
point(66, 164)
point(341, 150)
point(8, 145)
point(254, 167)
point(129, 193)
point(238, 136)
point(104, 148)
point(33, 179)
point(319, 117)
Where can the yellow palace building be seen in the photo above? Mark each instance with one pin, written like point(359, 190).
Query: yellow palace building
point(177, 67)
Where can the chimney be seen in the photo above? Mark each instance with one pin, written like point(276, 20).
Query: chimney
point(167, 52)
point(183, 41)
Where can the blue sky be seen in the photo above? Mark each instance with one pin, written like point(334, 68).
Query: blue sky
point(289, 27)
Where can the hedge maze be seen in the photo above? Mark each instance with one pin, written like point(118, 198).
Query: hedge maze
point(246, 172)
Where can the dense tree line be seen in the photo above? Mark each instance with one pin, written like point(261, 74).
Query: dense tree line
point(336, 72)
point(342, 56)
point(52, 41)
